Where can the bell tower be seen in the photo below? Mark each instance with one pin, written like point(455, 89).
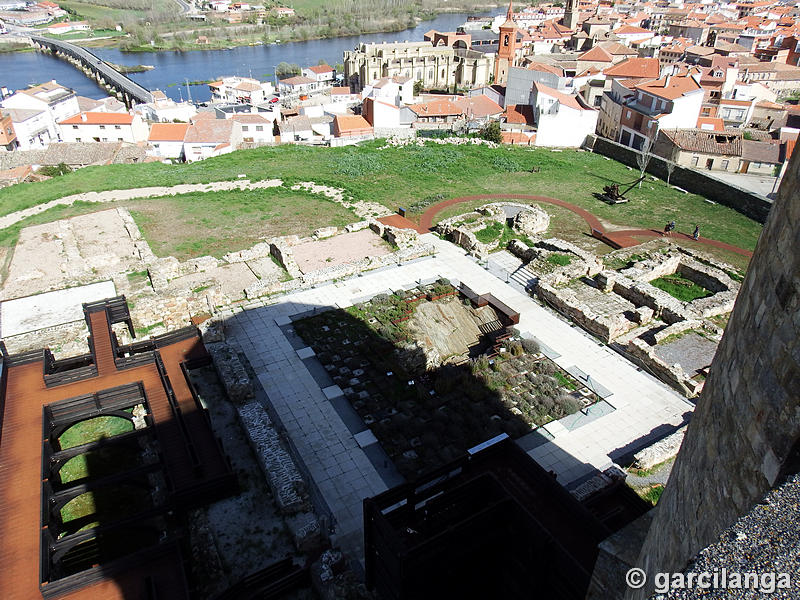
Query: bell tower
point(570, 20)
point(507, 48)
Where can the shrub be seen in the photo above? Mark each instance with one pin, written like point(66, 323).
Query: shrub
point(492, 133)
point(530, 346)
point(515, 348)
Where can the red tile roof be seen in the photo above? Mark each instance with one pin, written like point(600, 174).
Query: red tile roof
point(168, 132)
point(99, 118)
point(635, 67)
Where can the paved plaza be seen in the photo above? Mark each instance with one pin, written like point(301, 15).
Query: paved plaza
point(338, 458)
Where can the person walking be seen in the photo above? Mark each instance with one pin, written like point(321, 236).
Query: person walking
point(696, 233)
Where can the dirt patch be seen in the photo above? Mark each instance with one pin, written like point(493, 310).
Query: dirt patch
point(340, 249)
point(70, 252)
point(691, 351)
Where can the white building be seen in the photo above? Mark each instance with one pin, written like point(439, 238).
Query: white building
point(561, 120)
point(32, 126)
point(166, 140)
point(320, 73)
point(241, 90)
point(394, 90)
point(254, 128)
point(299, 84)
point(166, 110)
point(59, 102)
point(104, 127)
point(209, 137)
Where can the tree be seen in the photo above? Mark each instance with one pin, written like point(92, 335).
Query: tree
point(492, 132)
point(644, 156)
point(285, 68)
point(670, 166)
point(417, 88)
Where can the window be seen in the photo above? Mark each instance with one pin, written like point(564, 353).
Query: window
point(505, 40)
point(695, 159)
point(628, 114)
point(245, 128)
point(117, 127)
point(77, 139)
point(259, 128)
point(725, 165)
point(102, 126)
point(74, 126)
point(119, 139)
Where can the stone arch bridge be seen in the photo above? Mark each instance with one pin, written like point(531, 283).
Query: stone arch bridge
point(127, 90)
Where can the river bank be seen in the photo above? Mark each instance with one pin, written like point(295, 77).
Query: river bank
point(225, 37)
point(172, 69)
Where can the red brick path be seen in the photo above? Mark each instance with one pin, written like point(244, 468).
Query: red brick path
point(625, 238)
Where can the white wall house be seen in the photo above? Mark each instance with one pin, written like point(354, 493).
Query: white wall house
point(254, 128)
point(242, 90)
point(394, 90)
point(166, 110)
point(166, 140)
point(561, 120)
point(33, 127)
point(210, 137)
point(104, 127)
point(59, 102)
point(320, 73)
point(299, 84)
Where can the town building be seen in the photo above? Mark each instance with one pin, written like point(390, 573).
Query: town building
point(104, 127)
point(668, 103)
point(243, 90)
point(166, 140)
point(166, 110)
point(352, 128)
point(436, 67)
point(8, 137)
point(57, 101)
point(33, 127)
point(254, 129)
point(208, 137)
point(507, 50)
point(561, 120)
point(319, 73)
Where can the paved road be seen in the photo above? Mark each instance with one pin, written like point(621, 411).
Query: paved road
point(758, 184)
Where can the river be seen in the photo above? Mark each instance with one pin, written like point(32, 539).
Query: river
point(18, 70)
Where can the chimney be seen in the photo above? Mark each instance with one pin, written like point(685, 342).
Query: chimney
point(84, 118)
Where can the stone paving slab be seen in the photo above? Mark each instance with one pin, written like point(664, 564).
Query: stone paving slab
point(30, 313)
point(306, 352)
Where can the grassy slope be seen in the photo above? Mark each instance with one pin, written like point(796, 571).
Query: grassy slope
point(403, 176)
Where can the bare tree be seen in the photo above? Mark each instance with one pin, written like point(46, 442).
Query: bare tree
point(670, 166)
point(644, 156)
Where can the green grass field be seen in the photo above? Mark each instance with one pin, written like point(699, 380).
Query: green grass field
point(405, 176)
point(680, 287)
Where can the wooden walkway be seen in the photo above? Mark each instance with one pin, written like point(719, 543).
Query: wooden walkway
point(21, 462)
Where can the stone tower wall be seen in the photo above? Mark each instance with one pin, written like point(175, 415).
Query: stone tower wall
point(748, 418)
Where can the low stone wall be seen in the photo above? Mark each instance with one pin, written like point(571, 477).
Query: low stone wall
point(565, 302)
point(749, 204)
point(231, 373)
point(643, 354)
point(659, 452)
point(676, 328)
point(284, 255)
point(285, 480)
